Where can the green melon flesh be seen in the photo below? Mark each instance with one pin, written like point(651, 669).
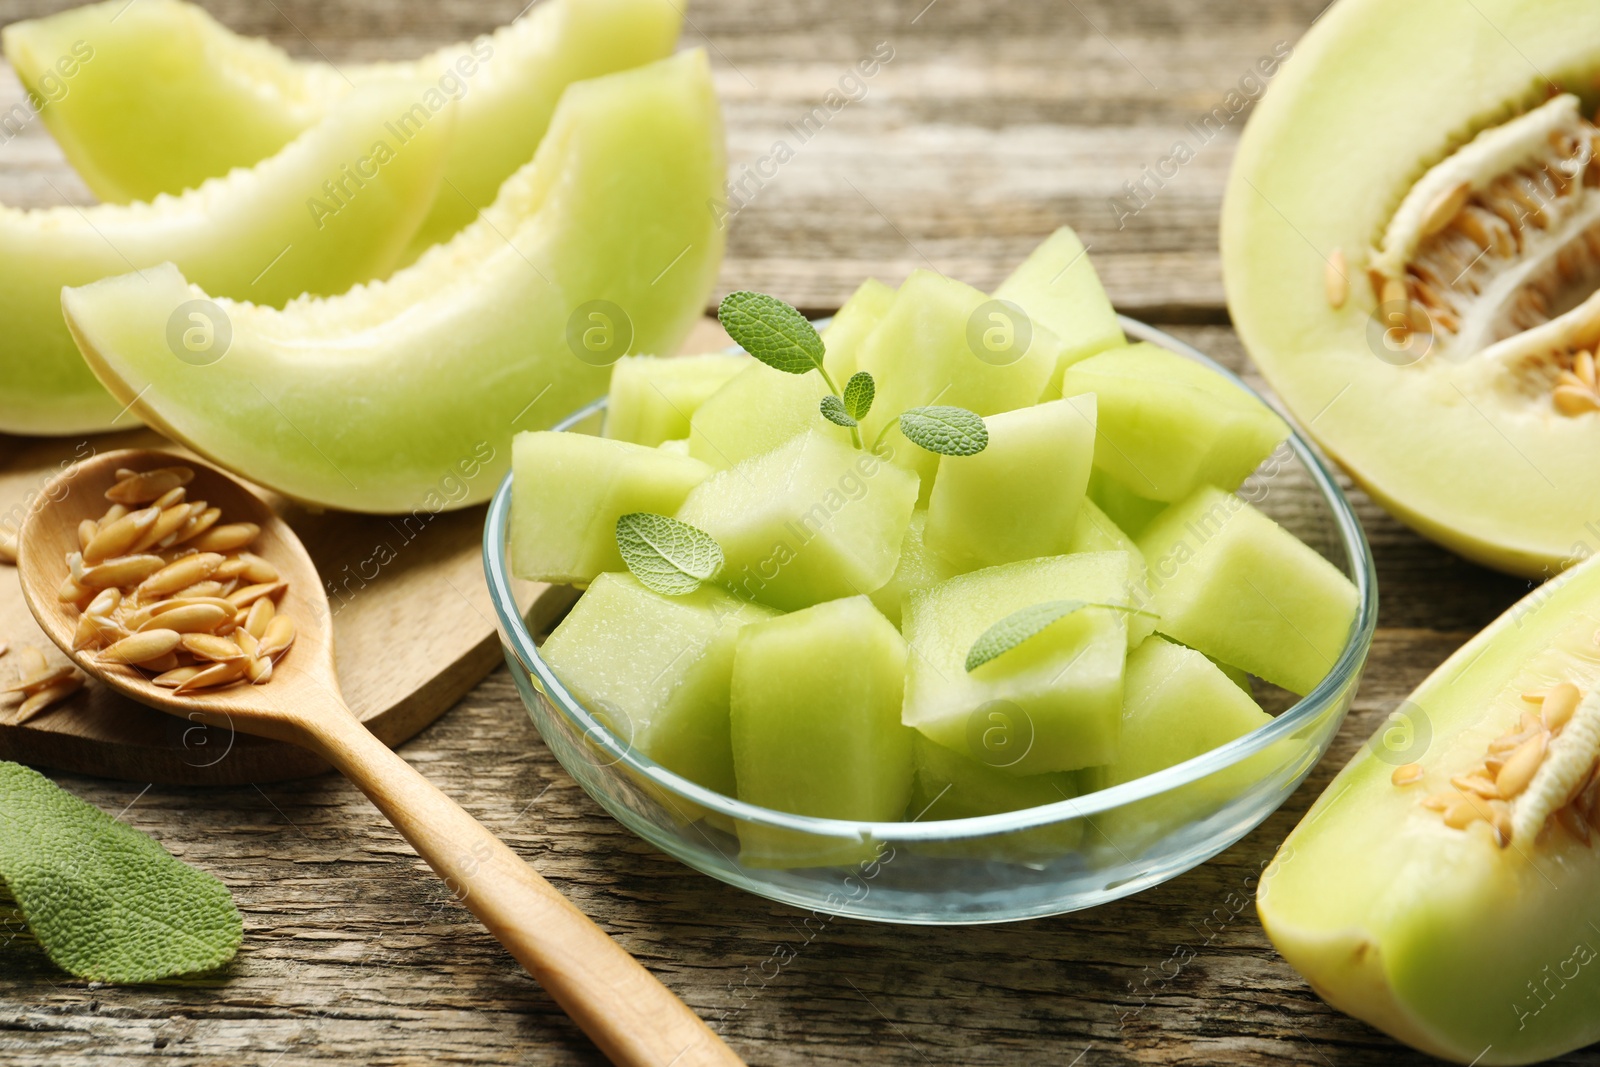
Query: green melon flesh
point(652, 400)
point(1468, 951)
point(816, 727)
point(851, 325)
point(917, 568)
point(1168, 425)
point(1229, 581)
point(1130, 511)
point(949, 785)
point(1095, 532)
point(1058, 288)
point(919, 354)
point(1054, 702)
point(1020, 497)
point(1463, 451)
point(656, 670)
point(569, 489)
point(248, 236)
point(367, 401)
point(757, 410)
point(812, 520)
point(170, 97)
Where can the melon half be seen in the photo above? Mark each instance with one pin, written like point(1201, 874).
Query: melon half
point(1411, 244)
point(372, 400)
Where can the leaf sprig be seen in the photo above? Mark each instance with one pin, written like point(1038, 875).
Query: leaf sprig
point(779, 336)
point(667, 555)
point(1027, 623)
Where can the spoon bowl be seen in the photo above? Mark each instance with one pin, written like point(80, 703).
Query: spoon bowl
point(631, 1017)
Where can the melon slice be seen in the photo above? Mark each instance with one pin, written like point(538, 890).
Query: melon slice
point(851, 325)
point(757, 410)
point(246, 236)
point(920, 353)
point(1169, 425)
point(1229, 581)
point(569, 489)
point(221, 101)
point(917, 568)
point(1390, 907)
point(656, 670)
point(1054, 702)
point(816, 728)
point(812, 520)
point(652, 400)
point(367, 400)
point(1020, 497)
point(1058, 288)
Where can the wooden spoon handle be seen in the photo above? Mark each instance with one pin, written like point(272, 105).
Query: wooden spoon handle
point(634, 1019)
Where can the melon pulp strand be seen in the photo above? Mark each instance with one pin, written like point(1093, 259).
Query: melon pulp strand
point(170, 97)
point(248, 236)
point(656, 670)
point(816, 729)
point(812, 520)
point(373, 400)
point(1058, 289)
point(1054, 702)
point(569, 489)
point(1229, 581)
point(652, 400)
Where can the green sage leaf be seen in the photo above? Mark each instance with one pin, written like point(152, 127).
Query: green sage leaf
point(666, 555)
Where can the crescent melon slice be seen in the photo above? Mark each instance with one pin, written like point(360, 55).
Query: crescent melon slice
point(168, 97)
point(248, 236)
point(367, 400)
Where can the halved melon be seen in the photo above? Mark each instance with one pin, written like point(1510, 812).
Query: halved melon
point(374, 400)
point(169, 97)
point(1410, 239)
point(1446, 886)
point(248, 236)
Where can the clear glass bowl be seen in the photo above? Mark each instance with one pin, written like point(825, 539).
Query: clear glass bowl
point(1019, 865)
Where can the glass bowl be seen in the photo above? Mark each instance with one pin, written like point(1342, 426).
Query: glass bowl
point(1019, 865)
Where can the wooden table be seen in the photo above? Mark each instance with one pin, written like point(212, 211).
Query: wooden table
point(993, 123)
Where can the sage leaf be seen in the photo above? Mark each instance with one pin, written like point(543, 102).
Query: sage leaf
point(859, 392)
point(949, 431)
point(771, 331)
point(833, 409)
point(666, 555)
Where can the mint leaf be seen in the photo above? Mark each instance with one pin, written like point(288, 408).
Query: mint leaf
point(1019, 626)
point(670, 557)
point(859, 393)
point(771, 331)
point(106, 902)
point(833, 410)
point(946, 430)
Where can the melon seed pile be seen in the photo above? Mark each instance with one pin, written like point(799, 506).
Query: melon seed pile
point(1544, 768)
point(162, 587)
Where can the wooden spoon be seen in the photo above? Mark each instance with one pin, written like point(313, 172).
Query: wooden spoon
point(633, 1018)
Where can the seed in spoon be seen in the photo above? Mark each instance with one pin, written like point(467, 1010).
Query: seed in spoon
point(214, 675)
point(145, 486)
point(121, 535)
point(189, 619)
point(142, 647)
point(212, 648)
point(123, 570)
point(251, 593)
point(228, 538)
point(261, 613)
point(187, 571)
point(279, 636)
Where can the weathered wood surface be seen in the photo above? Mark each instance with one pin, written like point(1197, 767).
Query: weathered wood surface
point(994, 122)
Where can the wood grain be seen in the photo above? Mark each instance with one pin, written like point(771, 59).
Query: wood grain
point(996, 121)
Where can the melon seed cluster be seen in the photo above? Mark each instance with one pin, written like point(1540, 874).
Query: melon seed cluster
point(38, 683)
point(1545, 767)
point(162, 585)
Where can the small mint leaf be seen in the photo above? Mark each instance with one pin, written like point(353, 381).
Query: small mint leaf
point(949, 431)
point(771, 331)
point(666, 555)
point(1019, 626)
point(833, 410)
point(859, 393)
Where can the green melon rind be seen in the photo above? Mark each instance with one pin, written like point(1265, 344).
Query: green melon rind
point(1357, 114)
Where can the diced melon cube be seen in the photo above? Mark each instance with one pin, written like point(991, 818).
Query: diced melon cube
point(652, 399)
point(1095, 532)
point(1054, 702)
point(816, 727)
point(656, 670)
point(1058, 288)
point(1229, 581)
point(949, 785)
point(755, 412)
point(1019, 498)
point(813, 520)
point(921, 353)
point(851, 325)
point(569, 489)
point(1168, 424)
point(918, 568)
point(1130, 511)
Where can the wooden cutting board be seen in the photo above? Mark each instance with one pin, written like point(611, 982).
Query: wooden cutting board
point(413, 631)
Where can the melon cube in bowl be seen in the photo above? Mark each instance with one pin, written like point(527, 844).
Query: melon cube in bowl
point(757, 410)
point(652, 400)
